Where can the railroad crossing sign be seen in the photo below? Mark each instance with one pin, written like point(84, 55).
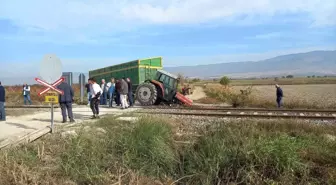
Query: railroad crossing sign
point(51, 73)
point(51, 97)
point(50, 86)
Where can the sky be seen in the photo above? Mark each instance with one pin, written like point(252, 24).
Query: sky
point(88, 34)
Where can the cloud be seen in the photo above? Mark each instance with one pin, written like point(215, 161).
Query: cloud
point(107, 15)
point(268, 35)
point(91, 22)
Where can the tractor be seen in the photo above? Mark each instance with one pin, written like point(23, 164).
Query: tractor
point(161, 89)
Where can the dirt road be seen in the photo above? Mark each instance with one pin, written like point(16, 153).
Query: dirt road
point(197, 94)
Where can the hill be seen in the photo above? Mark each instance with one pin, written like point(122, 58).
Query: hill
point(300, 64)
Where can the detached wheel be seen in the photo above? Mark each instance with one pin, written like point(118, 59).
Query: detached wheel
point(146, 94)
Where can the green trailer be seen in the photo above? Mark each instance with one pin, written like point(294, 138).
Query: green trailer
point(137, 70)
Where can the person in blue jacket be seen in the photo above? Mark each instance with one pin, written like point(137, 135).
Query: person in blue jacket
point(111, 92)
point(2, 103)
point(279, 95)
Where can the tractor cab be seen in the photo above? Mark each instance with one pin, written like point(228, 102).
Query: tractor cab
point(169, 83)
point(163, 88)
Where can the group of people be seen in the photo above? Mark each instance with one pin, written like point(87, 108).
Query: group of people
point(119, 91)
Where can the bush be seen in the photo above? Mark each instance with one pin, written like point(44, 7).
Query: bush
point(224, 81)
point(229, 96)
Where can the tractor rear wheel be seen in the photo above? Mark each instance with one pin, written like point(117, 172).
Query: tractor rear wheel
point(147, 94)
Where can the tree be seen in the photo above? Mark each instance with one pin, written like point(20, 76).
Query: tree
point(224, 81)
point(181, 78)
point(289, 76)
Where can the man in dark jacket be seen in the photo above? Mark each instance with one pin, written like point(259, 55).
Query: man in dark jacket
point(87, 86)
point(117, 91)
point(66, 100)
point(130, 92)
point(2, 103)
point(279, 95)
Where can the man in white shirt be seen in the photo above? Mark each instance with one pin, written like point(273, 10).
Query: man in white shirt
point(26, 94)
point(96, 92)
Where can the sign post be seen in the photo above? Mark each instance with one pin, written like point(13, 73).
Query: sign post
point(82, 85)
point(51, 72)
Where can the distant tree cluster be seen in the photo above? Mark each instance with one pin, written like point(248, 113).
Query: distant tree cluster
point(194, 80)
point(313, 76)
point(225, 81)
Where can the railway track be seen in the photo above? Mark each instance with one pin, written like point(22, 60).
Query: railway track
point(313, 114)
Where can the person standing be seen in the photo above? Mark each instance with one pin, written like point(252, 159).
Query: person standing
point(123, 94)
point(104, 87)
point(279, 95)
point(66, 100)
point(111, 92)
point(117, 91)
point(2, 103)
point(26, 94)
point(96, 92)
point(130, 92)
point(87, 86)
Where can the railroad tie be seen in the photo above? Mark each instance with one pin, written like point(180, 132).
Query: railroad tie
point(228, 113)
point(318, 114)
point(255, 113)
point(301, 114)
point(242, 113)
point(270, 113)
point(285, 114)
point(334, 115)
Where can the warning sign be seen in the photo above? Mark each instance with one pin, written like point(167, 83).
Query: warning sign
point(51, 97)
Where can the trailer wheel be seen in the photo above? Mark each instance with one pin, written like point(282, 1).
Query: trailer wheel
point(146, 94)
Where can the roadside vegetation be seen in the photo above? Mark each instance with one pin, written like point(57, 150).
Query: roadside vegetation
point(155, 151)
point(322, 96)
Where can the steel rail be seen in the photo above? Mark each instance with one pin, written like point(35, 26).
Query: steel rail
point(246, 109)
point(29, 106)
point(229, 114)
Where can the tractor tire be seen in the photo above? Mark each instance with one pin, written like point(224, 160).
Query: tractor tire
point(147, 94)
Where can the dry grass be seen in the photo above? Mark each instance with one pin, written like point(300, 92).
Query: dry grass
point(318, 96)
point(321, 96)
point(14, 94)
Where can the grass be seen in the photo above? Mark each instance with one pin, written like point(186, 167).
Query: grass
point(322, 96)
point(154, 151)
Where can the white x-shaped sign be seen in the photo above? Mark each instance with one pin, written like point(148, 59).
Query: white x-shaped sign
point(50, 86)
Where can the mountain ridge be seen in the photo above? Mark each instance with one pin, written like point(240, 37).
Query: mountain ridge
point(319, 62)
